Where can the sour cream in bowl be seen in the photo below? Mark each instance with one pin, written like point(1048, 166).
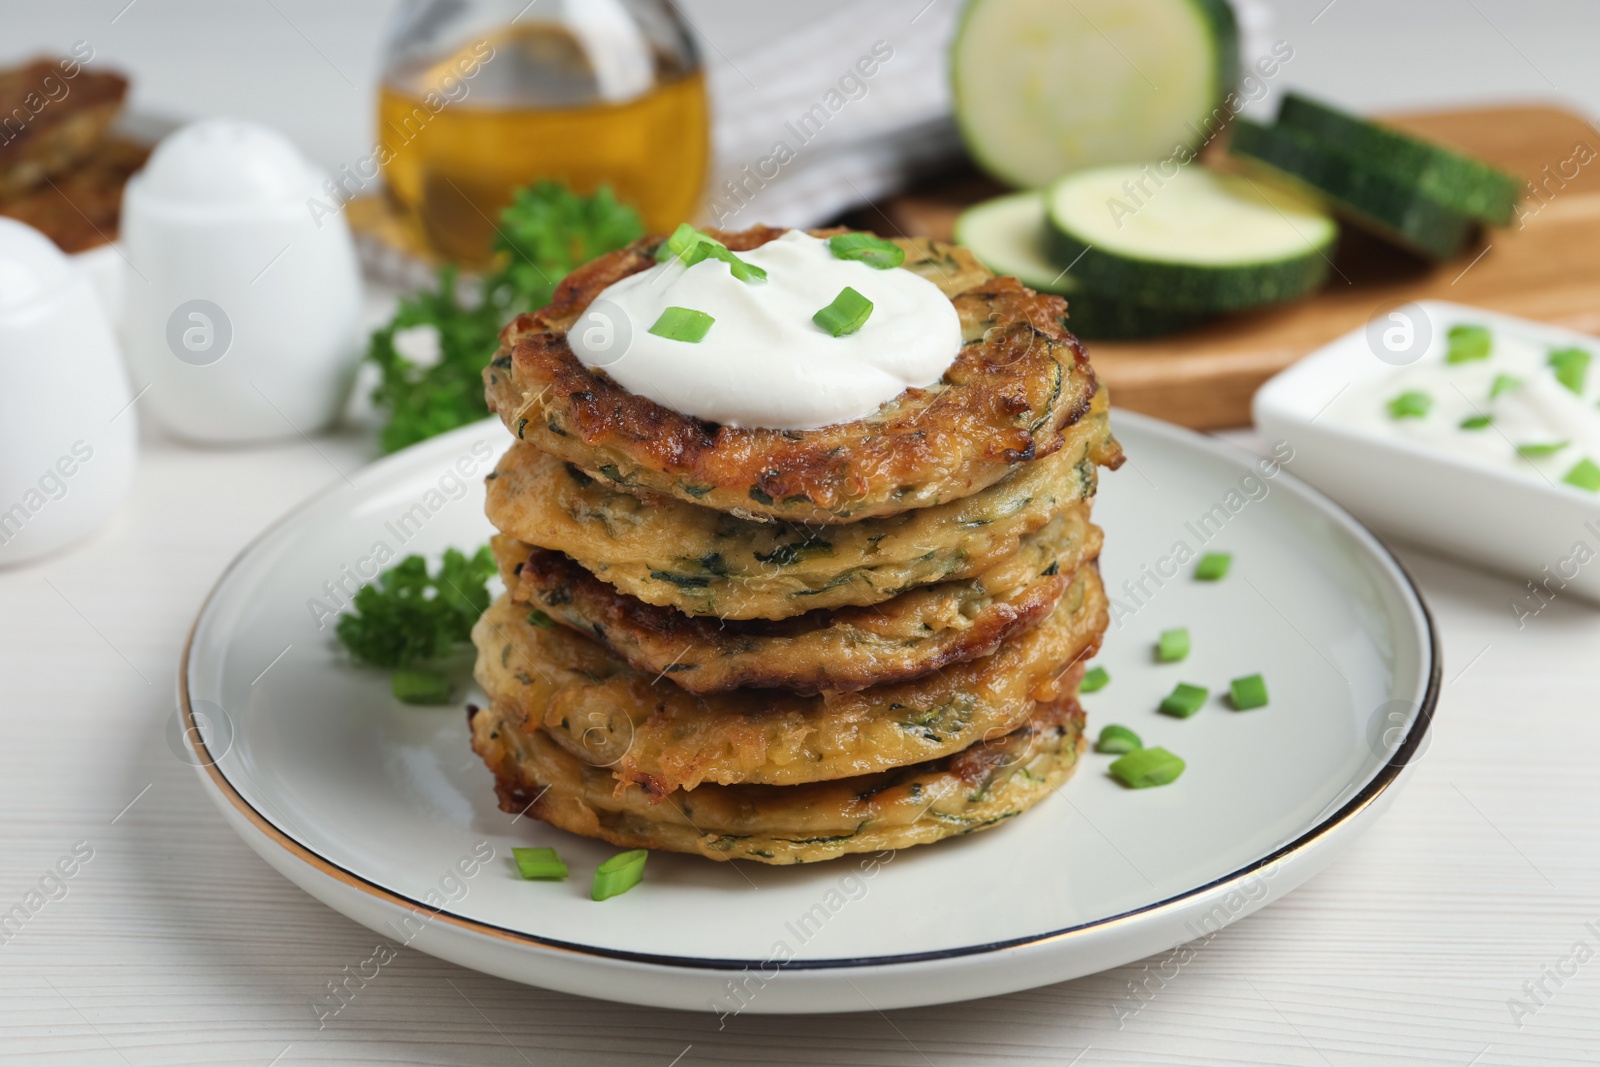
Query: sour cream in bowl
point(1464, 430)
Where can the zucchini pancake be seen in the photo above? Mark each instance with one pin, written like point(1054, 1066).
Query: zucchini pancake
point(797, 547)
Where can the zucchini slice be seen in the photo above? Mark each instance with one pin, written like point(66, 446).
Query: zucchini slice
point(1191, 239)
point(1007, 234)
point(1043, 87)
point(1460, 183)
point(1393, 208)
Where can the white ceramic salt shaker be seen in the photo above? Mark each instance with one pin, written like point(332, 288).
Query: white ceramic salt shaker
point(241, 304)
point(68, 431)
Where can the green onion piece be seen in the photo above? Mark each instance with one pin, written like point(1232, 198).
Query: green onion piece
point(1173, 645)
point(1147, 767)
point(1571, 366)
point(692, 246)
point(1118, 740)
point(683, 324)
point(540, 619)
point(539, 864)
point(745, 272)
point(1248, 692)
point(1475, 422)
point(1585, 475)
point(847, 314)
point(868, 248)
point(1213, 566)
point(1094, 680)
point(1185, 700)
point(619, 874)
point(1535, 451)
point(420, 687)
point(1503, 383)
point(683, 238)
point(1468, 343)
point(1410, 405)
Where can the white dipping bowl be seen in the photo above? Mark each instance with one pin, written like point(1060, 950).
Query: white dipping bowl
point(1511, 521)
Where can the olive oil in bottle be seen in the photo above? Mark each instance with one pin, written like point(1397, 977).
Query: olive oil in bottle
point(542, 100)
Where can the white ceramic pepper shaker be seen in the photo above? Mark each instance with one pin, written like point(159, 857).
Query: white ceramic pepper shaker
point(68, 431)
point(242, 306)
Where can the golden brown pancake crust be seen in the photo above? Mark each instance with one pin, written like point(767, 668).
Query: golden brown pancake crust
point(654, 735)
point(704, 562)
point(842, 649)
point(960, 794)
point(1018, 381)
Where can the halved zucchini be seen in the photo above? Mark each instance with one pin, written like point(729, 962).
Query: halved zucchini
point(1043, 87)
point(1395, 209)
point(1191, 239)
point(1007, 234)
point(1459, 183)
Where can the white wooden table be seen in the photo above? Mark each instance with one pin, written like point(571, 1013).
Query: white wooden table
point(174, 944)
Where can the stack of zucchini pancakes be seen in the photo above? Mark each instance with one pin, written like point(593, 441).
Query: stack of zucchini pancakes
point(781, 645)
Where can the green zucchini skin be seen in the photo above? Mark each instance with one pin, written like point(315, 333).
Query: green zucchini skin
point(1094, 317)
point(1225, 36)
point(1460, 183)
point(1008, 235)
point(1394, 209)
point(1199, 289)
point(1021, 163)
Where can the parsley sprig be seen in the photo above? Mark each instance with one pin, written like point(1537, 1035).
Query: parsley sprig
point(545, 232)
point(409, 618)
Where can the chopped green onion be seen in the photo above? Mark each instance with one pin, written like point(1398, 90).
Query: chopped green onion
point(1536, 451)
point(1213, 566)
point(869, 248)
point(1467, 343)
point(1410, 405)
point(683, 324)
point(618, 874)
point(1585, 475)
point(1147, 767)
point(847, 314)
point(540, 619)
point(745, 272)
point(692, 246)
point(1571, 366)
point(1173, 645)
point(1476, 422)
point(539, 864)
point(1094, 680)
point(688, 244)
point(1248, 692)
point(1503, 383)
point(1118, 740)
point(420, 687)
point(1185, 700)
point(683, 238)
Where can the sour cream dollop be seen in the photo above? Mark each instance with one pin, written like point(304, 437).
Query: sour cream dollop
point(764, 362)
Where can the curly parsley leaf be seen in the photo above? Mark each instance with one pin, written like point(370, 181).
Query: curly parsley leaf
point(544, 233)
point(422, 401)
point(409, 617)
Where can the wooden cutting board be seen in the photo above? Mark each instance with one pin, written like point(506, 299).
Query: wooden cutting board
point(1546, 266)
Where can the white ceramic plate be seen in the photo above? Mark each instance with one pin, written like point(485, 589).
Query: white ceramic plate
point(1426, 495)
point(382, 811)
